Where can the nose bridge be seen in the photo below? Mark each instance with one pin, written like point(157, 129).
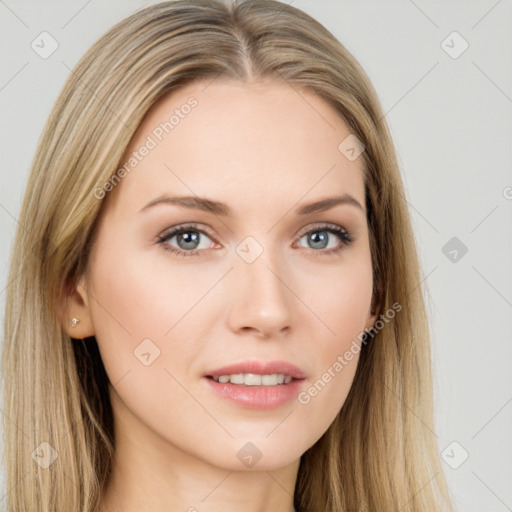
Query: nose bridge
point(261, 299)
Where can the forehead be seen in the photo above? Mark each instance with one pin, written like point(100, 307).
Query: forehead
point(248, 145)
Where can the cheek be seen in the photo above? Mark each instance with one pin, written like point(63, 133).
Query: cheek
point(144, 303)
point(146, 318)
point(343, 304)
point(140, 291)
point(340, 298)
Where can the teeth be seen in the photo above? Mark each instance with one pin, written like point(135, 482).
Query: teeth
point(253, 379)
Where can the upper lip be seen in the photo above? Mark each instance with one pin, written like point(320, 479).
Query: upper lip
point(259, 368)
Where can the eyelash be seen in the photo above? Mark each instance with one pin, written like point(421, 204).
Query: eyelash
point(346, 238)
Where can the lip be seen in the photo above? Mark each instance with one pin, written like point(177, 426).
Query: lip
point(259, 368)
point(257, 397)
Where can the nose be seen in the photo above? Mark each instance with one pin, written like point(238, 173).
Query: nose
point(261, 299)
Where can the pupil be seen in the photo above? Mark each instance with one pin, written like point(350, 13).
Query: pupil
point(319, 238)
point(189, 238)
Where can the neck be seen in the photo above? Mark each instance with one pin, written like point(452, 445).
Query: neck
point(149, 473)
point(197, 487)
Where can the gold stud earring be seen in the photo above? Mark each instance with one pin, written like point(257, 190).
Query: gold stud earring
point(74, 321)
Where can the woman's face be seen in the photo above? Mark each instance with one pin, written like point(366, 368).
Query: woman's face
point(251, 282)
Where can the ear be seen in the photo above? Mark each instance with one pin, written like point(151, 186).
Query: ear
point(374, 307)
point(76, 306)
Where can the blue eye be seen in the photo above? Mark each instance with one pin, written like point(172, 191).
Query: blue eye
point(188, 240)
point(319, 238)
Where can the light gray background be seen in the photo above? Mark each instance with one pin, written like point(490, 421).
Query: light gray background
point(451, 120)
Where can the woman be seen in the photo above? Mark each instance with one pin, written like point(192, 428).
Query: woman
point(285, 366)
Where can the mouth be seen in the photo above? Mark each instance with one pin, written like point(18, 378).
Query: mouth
point(253, 379)
point(256, 385)
point(257, 373)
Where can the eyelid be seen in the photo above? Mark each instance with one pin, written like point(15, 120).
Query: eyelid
point(346, 237)
point(192, 226)
point(205, 230)
point(316, 226)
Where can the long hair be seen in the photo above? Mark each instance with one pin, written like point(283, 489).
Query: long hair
point(380, 453)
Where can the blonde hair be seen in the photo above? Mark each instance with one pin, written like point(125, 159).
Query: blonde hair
point(380, 453)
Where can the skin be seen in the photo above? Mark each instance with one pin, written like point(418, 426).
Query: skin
point(264, 150)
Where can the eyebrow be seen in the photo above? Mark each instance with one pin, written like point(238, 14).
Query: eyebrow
point(218, 208)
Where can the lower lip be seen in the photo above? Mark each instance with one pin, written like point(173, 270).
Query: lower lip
point(257, 397)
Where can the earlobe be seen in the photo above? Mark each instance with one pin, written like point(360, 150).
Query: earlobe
point(77, 321)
